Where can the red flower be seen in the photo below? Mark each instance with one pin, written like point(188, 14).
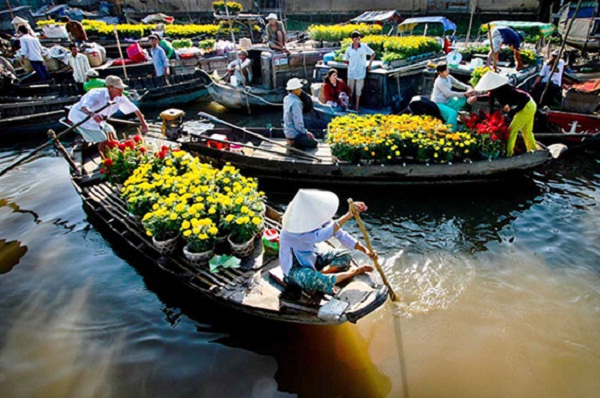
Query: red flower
point(121, 146)
point(130, 144)
point(137, 138)
point(175, 150)
point(112, 144)
point(108, 162)
point(161, 155)
point(102, 170)
point(164, 148)
point(143, 149)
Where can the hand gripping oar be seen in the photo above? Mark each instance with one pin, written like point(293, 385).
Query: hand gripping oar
point(295, 151)
point(36, 150)
point(393, 295)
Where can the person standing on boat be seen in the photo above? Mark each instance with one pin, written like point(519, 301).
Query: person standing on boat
point(160, 61)
point(32, 50)
point(293, 121)
point(335, 91)
point(80, 65)
point(516, 102)
point(275, 33)
point(506, 36)
point(96, 129)
point(93, 81)
point(241, 68)
point(75, 29)
point(356, 58)
point(449, 101)
point(554, 92)
point(307, 222)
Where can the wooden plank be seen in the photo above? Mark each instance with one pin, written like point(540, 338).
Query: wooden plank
point(323, 152)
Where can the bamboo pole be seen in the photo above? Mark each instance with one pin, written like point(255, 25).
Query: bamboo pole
point(120, 51)
point(473, 4)
point(494, 59)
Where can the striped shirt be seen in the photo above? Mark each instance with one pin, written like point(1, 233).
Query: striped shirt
point(80, 65)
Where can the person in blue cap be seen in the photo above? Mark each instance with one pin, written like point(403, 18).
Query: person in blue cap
point(508, 37)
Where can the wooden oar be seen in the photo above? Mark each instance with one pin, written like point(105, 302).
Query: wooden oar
point(293, 150)
point(393, 295)
point(36, 150)
point(125, 122)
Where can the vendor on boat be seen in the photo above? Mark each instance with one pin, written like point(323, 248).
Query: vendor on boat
point(275, 33)
point(93, 81)
point(96, 129)
point(449, 101)
point(356, 58)
point(241, 68)
point(554, 93)
point(75, 29)
point(80, 65)
point(506, 36)
point(160, 61)
point(293, 121)
point(335, 91)
point(308, 221)
point(514, 101)
point(32, 49)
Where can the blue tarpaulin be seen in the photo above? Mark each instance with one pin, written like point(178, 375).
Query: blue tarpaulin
point(410, 23)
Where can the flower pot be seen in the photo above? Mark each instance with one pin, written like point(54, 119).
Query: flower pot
point(241, 250)
point(165, 246)
point(197, 259)
point(490, 155)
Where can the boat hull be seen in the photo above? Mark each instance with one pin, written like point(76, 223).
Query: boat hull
point(240, 97)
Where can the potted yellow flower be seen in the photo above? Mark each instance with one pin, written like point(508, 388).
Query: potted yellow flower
point(163, 225)
point(243, 231)
point(200, 237)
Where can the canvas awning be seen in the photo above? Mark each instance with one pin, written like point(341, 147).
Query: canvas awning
point(545, 29)
point(378, 16)
point(410, 23)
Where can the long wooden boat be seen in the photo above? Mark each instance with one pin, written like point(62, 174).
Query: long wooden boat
point(571, 128)
point(183, 89)
point(585, 29)
point(269, 161)
point(254, 288)
point(243, 97)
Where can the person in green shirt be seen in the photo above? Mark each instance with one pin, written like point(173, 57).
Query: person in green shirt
point(93, 81)
point(169, 50)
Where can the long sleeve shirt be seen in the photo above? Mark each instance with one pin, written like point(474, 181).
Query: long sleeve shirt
point(80, 65)
point(160, 61)
point(511, 96)
point(442, 89)
point(293, 120)
point(31, 48)
point(303, 246)
point(241, 69)
point(332, 93)
point(96, 99)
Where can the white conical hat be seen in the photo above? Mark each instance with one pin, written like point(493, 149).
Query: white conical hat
point(19, 20)
point(310, 209)
point(490, 81)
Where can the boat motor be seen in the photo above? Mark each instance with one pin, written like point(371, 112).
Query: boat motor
point(172, 123)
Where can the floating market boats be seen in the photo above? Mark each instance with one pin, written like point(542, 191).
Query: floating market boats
point(585, 31)
point(255, 288)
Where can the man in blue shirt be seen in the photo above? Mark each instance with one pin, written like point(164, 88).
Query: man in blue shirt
point(506, 36)
point(293, 120)
point(159, 59)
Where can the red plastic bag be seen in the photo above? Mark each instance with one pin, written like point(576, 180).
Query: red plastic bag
point(135, 53)
point(121, 61)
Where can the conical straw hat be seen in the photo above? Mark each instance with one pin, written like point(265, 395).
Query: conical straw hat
point(490, 81)
point(309, 210)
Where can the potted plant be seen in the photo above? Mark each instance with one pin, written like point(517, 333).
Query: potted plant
point(200, 237)
point(233, 6)
point(243, 230)
point(163, 225)
point(492, 133)
point(122, 159)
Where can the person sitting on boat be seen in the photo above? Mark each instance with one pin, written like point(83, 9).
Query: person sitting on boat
point(93, 81)
point(159, 59)
point(75, 29)
point(241, 68)
point(32, 49)
point(293, 121)
point(554, 93)
point(80, 65)
point(275, 33)
point(449, 101)
point(356, 58)
point(96, 130)
point(335, 91)
point(514, 101)
point(307, 222)
point(506, 36)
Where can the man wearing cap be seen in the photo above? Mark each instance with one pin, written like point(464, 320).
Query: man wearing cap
point(306, 222)
point(514, 101)
point(506, 36)
point(554, 92)
point(32, 49)
point(96, 129)
point(241, 68)
point(159, 59)
point(293, 121)
point(80, 65)
point(275, 33)
point(356, 58)
point(93, 81)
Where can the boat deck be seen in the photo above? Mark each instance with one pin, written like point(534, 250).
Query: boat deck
point(276, 152)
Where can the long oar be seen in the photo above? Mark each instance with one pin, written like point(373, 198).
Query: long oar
point(393, 295)
point(36, 150)
point(289, 148)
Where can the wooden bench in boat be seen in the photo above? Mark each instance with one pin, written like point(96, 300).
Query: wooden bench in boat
point(323, 152)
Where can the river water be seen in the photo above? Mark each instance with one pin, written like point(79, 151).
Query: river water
point(499, 287)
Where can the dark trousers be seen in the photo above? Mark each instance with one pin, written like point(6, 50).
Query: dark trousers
point(303, 141)
point(40, 69)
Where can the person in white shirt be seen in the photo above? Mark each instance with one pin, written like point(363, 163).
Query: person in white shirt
point(554, 93)
point(33, 51)
point(96, 130)
point(241, 68)
point(356, 58)
point(80, 65)
point(449, 101)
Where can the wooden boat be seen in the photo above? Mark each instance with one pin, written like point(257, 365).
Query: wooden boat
point(243, 97)
point(573, 129)
point(270, 161)
point(585, 31)
point(149, 93)
point(252, 289)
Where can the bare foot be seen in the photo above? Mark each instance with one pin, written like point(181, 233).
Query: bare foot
point(362, 269)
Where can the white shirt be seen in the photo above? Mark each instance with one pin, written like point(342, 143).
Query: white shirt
point(31, 48)
point(238, 66)
point(556, 76)
point(94, 100)
point(357, 61)
point(80, 65)
point(442, 89)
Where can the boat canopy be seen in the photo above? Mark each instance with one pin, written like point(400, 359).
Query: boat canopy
point(378, 17)
point(545, 29)
point(410, 23)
